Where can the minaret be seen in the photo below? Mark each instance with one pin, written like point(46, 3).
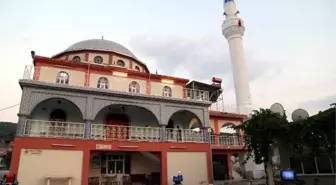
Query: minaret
point(233, 29)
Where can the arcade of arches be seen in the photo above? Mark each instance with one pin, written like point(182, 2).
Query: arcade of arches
point(58, 109)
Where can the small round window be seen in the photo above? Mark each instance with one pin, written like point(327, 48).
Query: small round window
point(76, 59)
point(98, 59)
point(137, 68)
point(121, 63)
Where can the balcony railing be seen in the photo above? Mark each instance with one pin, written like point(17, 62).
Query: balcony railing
point(125, 133)
point(195, 94)
point(71, 130)
point(35, 73)
point(185, 135)
point(219, 140)
point(54, 129)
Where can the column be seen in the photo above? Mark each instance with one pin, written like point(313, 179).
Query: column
point(163, 133)
point(229, 163)
point(210, 167)
point(87, 131)
point(20, 129)
point(85, 167)
point(206, 134)
point(164, 171)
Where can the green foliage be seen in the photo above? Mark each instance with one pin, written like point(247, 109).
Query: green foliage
point(260, 131)
point(312, 136)
point(7, 131)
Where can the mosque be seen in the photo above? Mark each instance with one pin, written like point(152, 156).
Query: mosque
point(95, 110)
point(94, 114)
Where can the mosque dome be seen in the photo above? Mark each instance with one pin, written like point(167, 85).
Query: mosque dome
point(99, 45)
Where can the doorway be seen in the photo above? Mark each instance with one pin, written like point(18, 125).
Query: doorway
point(117, 126)
point(220, 167)
point(57, 125)
point(174, 131)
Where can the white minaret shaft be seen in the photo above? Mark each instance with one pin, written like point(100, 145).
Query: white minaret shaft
point(233, 29)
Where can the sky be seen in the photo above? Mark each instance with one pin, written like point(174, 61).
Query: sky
point(289, 45)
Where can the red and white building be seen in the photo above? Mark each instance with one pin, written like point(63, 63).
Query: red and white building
point(95, 113)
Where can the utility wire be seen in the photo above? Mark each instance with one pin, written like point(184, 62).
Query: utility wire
point(9, 107)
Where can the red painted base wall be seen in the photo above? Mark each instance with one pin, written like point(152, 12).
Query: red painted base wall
point(90, 145)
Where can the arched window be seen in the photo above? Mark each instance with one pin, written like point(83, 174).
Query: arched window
point(62, 78)
point(98, 59)
point(76, 59)
point(137, 68)
point(166, 91)
point(121, 63)
point(103, 83)
point(134, 87)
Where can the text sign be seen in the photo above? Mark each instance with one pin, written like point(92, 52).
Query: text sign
point(103, 147)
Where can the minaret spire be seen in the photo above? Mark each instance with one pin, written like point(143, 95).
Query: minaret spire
point(233, 30)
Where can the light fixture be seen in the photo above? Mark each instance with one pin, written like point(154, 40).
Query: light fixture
point(166, 81)
point(115, 73)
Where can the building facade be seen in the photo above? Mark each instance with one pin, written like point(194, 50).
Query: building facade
point(94, 112)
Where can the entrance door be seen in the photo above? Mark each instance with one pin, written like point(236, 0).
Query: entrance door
point(117, 127)
point(58, 123)
point(220, 167)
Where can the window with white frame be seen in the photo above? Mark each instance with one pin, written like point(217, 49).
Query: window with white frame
point(323, 164)
point(166, 91)
point(115, 164)
point(62, 78)
point(103, 83)
point(134, 87)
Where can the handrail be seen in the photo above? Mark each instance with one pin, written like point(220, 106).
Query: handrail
point(74, 130)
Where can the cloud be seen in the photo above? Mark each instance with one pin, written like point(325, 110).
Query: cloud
point(285, 76)
point(316, 105)
point(197, 58)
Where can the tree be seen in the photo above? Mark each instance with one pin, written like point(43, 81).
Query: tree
point(260, 133)
point(7, 131)
point(312, 136)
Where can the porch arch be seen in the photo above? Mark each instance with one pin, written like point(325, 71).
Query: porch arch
point(227, 130)
point(184, 119)
point(131, 111)
point(169, 111)
point(45, 109)
point(31, 100)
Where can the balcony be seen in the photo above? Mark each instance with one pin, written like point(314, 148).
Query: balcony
point(102, 81)
point(54, 129)
point(70, 130)
point(125, 133)
point(230, 140)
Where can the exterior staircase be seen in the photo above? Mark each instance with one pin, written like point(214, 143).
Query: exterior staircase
point(152, 156)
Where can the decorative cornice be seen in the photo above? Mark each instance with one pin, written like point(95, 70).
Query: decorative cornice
point(90, 90)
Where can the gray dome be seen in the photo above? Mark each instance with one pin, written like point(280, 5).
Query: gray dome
point(99, 45)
